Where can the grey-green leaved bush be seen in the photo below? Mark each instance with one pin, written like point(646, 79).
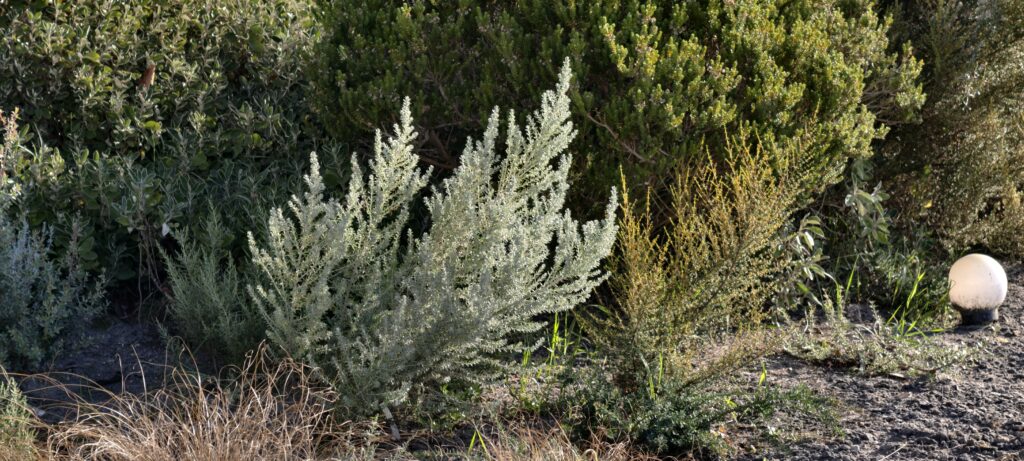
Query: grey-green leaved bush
point(46, 302)
point(349, 286)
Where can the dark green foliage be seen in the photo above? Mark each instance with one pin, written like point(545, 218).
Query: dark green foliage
point(208, 308)
point(875, 261)
point(223, 69)
point(152, 109)
point(657, 81)
point(959, 173)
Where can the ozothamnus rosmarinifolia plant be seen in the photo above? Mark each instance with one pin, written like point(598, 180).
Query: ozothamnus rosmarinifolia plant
point(209, 292)
point(348, 286)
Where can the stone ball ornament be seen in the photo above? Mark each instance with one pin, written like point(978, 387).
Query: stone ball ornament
point(977, 287)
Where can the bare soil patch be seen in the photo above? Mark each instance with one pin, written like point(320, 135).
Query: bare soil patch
point(972, 411)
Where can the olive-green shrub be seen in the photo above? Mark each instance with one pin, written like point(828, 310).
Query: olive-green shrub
point(658, 81)
point(144, 111)
point(710, 272)
point(208, 303)
point(689, 298)
point(960, 173)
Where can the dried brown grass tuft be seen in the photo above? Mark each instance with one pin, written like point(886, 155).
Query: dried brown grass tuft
point(269, 411)
point(524, 441)
point(274, 410)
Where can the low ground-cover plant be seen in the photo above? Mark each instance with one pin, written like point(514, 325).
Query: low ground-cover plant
point(383, 308)
point(47, 301)
point(670, 416)
point(877, 344)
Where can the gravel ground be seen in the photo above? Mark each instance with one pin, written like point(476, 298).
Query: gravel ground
point(973, 411)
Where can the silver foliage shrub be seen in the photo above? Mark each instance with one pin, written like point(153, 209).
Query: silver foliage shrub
point(349, 287)
point(44, 302)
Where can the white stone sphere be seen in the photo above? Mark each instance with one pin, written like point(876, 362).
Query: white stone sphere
point(977, 282)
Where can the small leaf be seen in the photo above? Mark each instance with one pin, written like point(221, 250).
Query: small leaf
point(87, 244)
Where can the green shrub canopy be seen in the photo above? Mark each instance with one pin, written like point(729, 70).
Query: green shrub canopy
point(156, 108)
point(959, 173)
point(657, 80)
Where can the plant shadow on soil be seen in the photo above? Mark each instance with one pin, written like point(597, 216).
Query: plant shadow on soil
point(116, 356)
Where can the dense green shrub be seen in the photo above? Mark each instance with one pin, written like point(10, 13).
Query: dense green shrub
point(657, 80)
point(383, 306)
point(46, 303)
point(149, 110)
point(226, 70)
point(959, 173)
